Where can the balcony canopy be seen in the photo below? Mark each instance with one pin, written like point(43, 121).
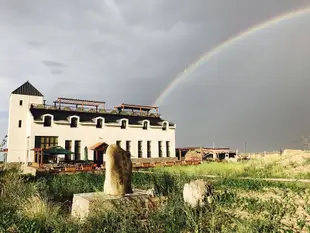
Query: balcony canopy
point(136, 107)
point(99, 146)
point(62, 100)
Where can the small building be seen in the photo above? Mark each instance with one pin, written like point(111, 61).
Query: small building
point(76, 124)
point(205, 153)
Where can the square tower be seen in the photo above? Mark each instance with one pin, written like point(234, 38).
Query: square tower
point(19, 124)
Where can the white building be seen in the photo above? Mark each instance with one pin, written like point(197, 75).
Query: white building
point(76, 124)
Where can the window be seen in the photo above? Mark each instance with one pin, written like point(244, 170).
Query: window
point(123, 125)
point(99, 123)
point(149, 149)
point(74, 122)
point(160, 151)
point(145, 125)
point(45, 142)
point(20, 103)
point(47, 121)
point(128, 146)
point(168, 149)
point(165, 126)
point(68, 146)
point(118, 143)
point(77, 150)
point(139, 149)
point(19, 123)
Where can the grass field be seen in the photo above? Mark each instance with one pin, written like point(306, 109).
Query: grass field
point(43, 205)
point(293, 164)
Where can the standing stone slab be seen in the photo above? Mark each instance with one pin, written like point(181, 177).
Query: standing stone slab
point(117, 189)
point(118, 171)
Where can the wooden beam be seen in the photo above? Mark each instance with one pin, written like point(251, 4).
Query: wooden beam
point(41, 158)
point(96, 157)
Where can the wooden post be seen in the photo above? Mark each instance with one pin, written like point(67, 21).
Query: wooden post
point(180, 154)
point(96, 157)
point(201, 153)
point(41, 158)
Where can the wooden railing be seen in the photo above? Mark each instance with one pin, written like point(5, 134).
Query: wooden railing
point(94, 110)
point(135, 166)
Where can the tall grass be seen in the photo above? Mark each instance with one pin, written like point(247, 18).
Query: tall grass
point(256, 168)
point(41, 205)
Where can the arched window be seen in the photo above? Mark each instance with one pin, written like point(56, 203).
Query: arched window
point(145, 125)
point(99, 123)
point(74, 122)
point(165, 126)
point(123, 124)
point(47, 121)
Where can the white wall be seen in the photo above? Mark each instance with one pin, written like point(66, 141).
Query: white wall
point(110, 133)
point(17, 137)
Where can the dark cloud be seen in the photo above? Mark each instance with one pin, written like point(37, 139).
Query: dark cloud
point(121, 51)
point(56, 71)
point(52, 64)
point(34, 44)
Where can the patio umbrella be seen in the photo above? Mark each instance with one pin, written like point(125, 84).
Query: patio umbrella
point(57, 150)
point(85, 153)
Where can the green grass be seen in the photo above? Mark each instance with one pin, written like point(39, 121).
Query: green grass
point(290, 165)
point(254, 169)
point(30, 204)
point(219, 169)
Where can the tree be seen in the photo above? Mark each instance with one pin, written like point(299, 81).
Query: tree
point(2, 145)
point(306, 142)
point(86, 153)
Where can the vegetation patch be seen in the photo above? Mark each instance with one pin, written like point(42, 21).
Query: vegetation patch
point(29, 204)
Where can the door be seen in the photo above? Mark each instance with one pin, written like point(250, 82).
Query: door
point(98, 157)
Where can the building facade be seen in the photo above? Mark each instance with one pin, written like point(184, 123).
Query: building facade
point(82, 126)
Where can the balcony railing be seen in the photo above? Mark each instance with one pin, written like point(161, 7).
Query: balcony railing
point(93, 110)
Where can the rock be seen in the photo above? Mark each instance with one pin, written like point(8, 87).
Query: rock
point(26, 170)
point(118, 171)
point(198, 191)
point(86, 204)
point(151, 192)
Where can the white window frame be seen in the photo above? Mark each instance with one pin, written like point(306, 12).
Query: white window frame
point(147, 126)
point(78, 120)
point(127, 123)
point(103, 121)
point(52, 119)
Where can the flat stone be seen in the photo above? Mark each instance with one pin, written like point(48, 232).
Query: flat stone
point(26, 170)
point(85, 204)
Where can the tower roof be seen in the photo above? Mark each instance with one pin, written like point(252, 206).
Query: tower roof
point(27, 89)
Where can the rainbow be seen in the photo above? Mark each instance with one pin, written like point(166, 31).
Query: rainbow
point(225, 44)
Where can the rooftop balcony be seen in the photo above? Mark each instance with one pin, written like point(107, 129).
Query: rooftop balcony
point(96, 109)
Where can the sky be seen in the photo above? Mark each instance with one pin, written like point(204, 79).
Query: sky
point(255, 91)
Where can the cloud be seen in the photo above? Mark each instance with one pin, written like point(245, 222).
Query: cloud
point(55, 67)
point(56, 71)
point(52, 64)
point(35, 44)
point(129, 51)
